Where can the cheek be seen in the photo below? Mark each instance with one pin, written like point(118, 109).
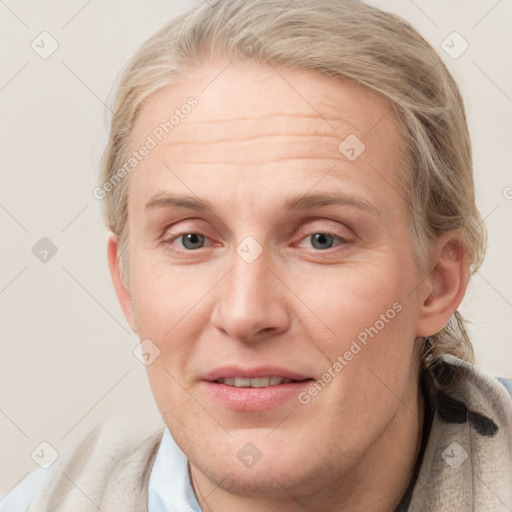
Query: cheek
point(370, 346)
point(172, 311)
point(368, 324)
point(167, 298)
point(183, 414)
point(354, 296)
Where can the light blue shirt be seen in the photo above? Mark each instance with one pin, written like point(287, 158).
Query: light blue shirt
point(19, 498)
point(169, 483)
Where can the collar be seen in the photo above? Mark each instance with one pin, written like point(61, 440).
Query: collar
point(169, 485)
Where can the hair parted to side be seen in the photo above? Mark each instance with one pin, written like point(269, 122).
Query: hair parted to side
point(344, 39)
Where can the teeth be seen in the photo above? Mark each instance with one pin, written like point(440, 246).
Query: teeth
point(259, 382)
point(240, 382)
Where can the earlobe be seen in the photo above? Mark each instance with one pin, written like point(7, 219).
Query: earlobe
point(447, 281)
point(123, 294)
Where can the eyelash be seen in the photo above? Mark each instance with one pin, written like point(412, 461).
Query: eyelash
point(343, 241)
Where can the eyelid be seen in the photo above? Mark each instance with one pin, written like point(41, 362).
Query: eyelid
point(317, 225)
point(183, 227)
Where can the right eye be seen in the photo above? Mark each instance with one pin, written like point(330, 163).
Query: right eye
point(189, 241)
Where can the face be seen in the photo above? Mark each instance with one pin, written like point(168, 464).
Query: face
point(267, 243)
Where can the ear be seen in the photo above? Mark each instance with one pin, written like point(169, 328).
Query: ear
point(123, 295)
point(445, 285)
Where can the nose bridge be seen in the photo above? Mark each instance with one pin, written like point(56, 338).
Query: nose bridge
point(249, 274)
point(248, 291)
point(250, 299)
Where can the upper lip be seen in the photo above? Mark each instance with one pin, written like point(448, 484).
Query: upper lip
point(224, 372)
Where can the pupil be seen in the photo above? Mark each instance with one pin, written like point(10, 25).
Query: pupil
point(322, 238)
point(192, 240)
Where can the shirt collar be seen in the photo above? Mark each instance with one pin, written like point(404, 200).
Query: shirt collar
point(169, 484)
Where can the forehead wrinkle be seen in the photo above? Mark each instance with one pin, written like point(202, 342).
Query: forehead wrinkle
point(234, 146)
point(277, 161)
point(271, 112)
point(280, 139)
point(247, 152)
point(307, 125)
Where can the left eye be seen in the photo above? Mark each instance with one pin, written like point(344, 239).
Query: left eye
point(323, 240)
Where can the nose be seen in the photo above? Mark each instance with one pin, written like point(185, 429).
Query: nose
point(252, 302)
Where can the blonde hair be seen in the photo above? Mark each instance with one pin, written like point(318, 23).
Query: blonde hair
point(344, 39)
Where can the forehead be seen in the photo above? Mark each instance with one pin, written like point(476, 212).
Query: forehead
point(252, 116)
point(247, 90)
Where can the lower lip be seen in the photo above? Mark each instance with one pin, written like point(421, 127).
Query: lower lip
point(254, 399)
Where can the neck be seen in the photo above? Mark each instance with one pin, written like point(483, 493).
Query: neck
point(377, 481)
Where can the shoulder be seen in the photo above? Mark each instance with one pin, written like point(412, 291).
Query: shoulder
point(109, 468)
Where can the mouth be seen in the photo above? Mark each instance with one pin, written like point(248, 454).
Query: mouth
point(256, 389)
point(258, 382)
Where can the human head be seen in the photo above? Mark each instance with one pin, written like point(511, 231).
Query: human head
point(247, 145)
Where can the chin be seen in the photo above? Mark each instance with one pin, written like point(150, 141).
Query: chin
point(264, 480)
point(265, 467)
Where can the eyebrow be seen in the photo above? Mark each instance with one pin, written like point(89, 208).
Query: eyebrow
point(300, 202)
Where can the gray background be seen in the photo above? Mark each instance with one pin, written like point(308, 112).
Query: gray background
point(66, 357)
